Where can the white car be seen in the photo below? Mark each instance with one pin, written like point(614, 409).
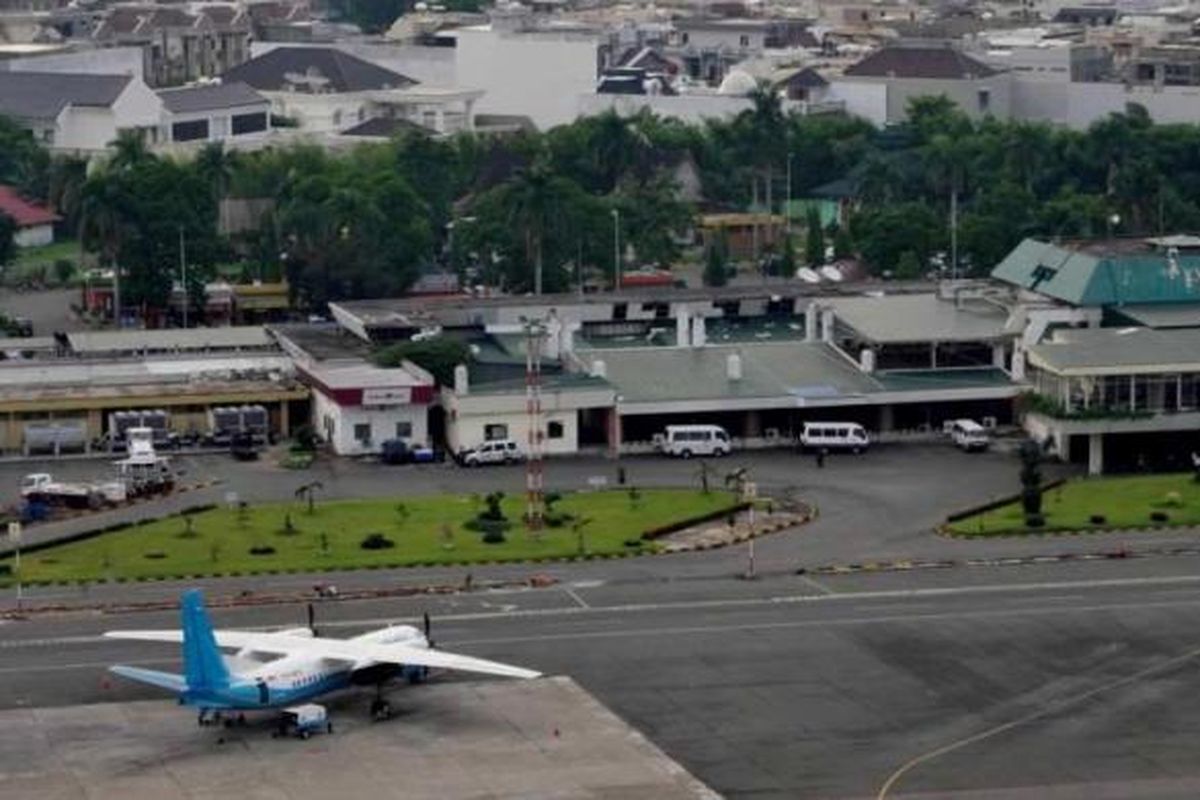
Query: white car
point(968, 435)
point(686, 441)
point(499, 451)
point(834, 436)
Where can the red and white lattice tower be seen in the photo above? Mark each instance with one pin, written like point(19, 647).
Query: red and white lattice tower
point(535, 499)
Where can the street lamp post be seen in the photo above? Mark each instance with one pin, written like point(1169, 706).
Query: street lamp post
point(616, 215)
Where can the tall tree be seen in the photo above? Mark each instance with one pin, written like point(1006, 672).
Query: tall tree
point(814, 241)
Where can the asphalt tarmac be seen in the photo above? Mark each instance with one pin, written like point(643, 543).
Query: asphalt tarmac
point(1021, 682)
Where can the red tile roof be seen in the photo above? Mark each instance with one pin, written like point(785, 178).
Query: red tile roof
point(23, 212)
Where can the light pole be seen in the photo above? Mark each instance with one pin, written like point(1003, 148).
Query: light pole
point(616, 215)
point(450, 228)
point(183, 271)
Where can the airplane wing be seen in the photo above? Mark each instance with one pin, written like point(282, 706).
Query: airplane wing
point(163, 680)
point(356, 653)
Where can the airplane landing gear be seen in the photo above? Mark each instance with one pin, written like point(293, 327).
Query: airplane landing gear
point(381, 709)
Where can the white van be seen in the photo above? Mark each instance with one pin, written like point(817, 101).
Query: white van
point(834, 436)
point(968, 434)
point(686, 441)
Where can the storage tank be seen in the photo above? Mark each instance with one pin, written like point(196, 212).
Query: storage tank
point(55, 437)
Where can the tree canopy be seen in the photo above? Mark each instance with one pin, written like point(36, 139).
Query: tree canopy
point(546, 210)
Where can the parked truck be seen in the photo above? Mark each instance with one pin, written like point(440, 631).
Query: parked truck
point(41, 488)
point(143, 471)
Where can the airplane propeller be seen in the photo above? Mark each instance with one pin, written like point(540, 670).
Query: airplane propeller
point(428, 626)
point(312, 617)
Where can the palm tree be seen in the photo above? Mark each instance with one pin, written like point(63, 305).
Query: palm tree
point(765, 130)
point(538, 199)
point(129, 150)
point(104, 224)
point(68, 174)
point(946, 161)
point(215, 166)
point(308, 492)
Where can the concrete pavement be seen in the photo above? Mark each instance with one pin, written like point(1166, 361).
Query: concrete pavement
point(796, 687)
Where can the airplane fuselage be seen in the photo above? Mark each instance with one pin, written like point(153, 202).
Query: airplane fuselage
point(293, 680)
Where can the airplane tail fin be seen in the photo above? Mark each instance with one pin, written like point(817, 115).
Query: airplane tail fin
point(203, 665)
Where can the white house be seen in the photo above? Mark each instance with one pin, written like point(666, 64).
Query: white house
point(880, 87)
point(232, 112)
point(498, 410)
point(357, 406)
point(78, 113)
point(327, 90)
point(35, 223)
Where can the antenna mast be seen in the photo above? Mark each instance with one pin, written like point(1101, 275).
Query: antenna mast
point(535, 496)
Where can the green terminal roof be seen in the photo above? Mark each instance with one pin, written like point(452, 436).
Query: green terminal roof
point(1102, 273)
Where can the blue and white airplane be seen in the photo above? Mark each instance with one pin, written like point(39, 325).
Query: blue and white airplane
point(288, 667)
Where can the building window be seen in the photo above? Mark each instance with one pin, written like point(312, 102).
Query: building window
point(337, 119)
point(554, 430)
point(744, 41)
point(683, 38)
point(492, 433)
point(403, 430)
point(362, 433)
point(249, 123)
point(985, 100)
point(189, 131)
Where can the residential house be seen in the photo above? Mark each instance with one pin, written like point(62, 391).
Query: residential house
point(34, 222)
point(179, 46)
point(709, 48)
point(231, 112)
point(881, 86)
point(327, 90)
point(81, 114)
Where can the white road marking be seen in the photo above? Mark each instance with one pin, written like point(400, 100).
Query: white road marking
point(569, 592)
point(820, 587)
point(512, 612)
point(1045, 710)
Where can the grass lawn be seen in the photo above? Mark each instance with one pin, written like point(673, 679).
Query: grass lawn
point(42, 259)
point(1123, 502)
point(220, 540)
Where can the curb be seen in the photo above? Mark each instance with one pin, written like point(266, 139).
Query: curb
point(1007, 561)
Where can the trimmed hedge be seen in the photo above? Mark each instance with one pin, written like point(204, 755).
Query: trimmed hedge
point(994, 504)
point(683, 524)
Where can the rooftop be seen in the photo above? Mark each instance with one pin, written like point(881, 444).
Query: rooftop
point(1116, 350)
point(170, 340)
point(932, 63)
point(143, 377)
point(894, 319)
point(799, 370)
point(1171, 315)
point(315, 70)
point(43, 95)
point(1114, 272)
point(386, 128)
point(212, 96)
point(23, 212)
point(321, 341)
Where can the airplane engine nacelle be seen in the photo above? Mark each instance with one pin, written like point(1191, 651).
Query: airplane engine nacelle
point(396, 634)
